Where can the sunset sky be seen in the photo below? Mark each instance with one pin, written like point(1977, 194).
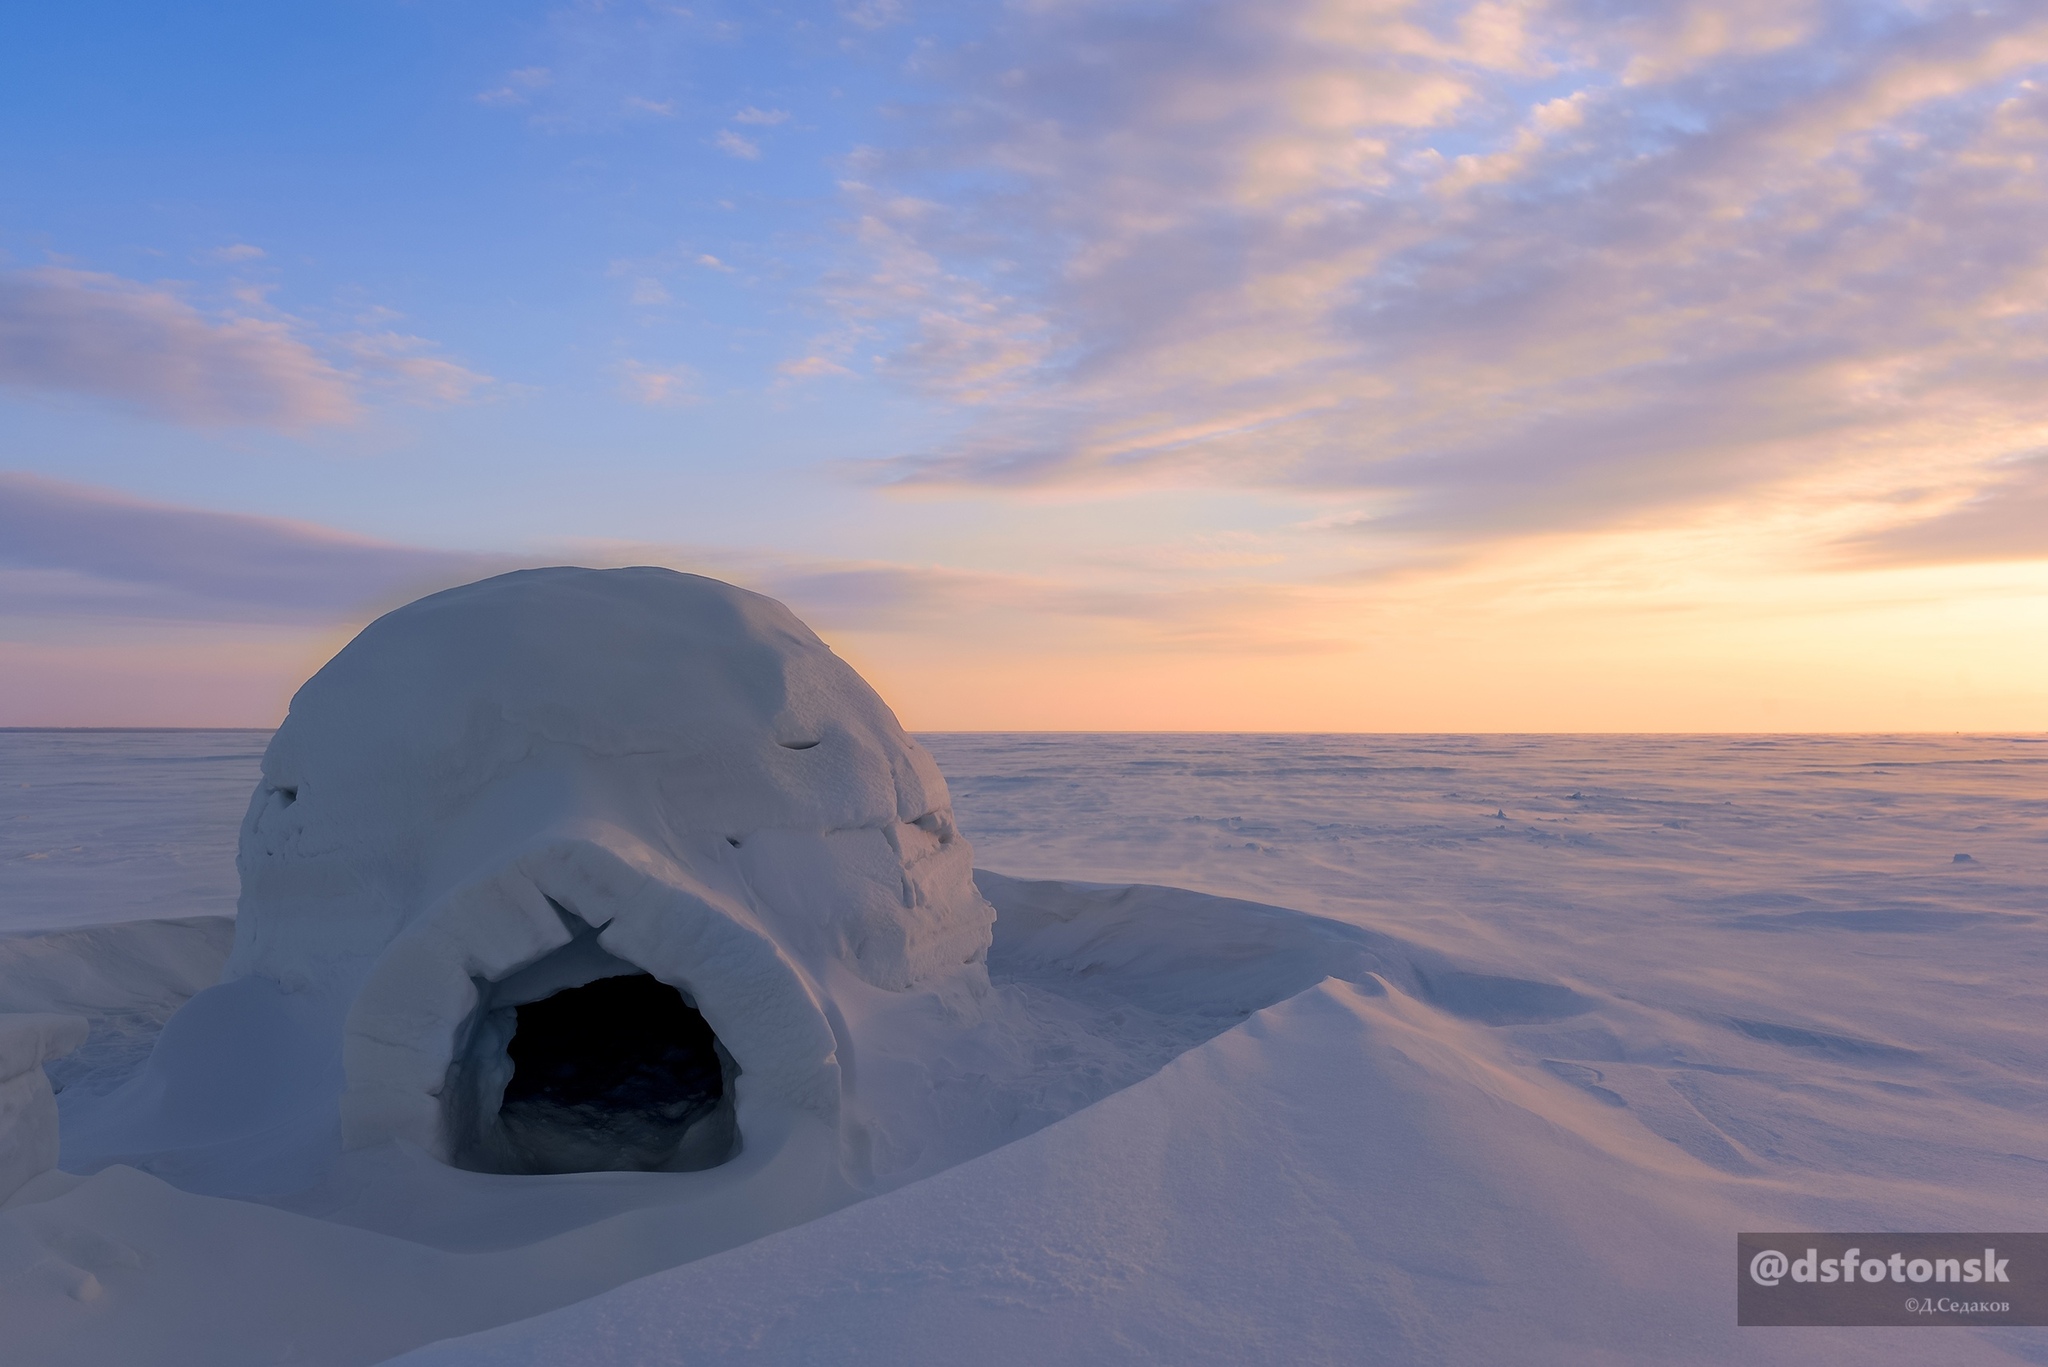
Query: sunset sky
point(1245, 365)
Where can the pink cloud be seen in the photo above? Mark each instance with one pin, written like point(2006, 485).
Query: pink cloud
point(810, 367)
point(672, 386)
point(2005, 519)
point(1498, 267)
point(408, 364)
point(82, 332)
point(72, 551)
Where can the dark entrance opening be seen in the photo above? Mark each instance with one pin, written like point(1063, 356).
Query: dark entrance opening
point(582, 1061)
point(611, 1075)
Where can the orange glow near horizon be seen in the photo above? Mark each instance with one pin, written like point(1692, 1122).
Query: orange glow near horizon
point(1605, 632)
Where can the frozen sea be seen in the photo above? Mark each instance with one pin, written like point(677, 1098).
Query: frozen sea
point(1836, 897)
point(1810, 967)
point(1509, 839)
point(1865, 886)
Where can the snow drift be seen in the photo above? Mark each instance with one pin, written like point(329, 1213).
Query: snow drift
point(28, 1109)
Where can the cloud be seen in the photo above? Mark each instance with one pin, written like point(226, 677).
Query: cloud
point(81, 332)
point(1661, 43)
point(1495, 268)
point(240, 251)
point(2005, 520)
point(407, 364)
point(766, 118)
point(873, 14)
point(86, 333)
point(710, 262)
point(69, 551)
point(948, 331)
point(809, 367)
point(606, 66)
point(520, 86)
point(949, 606)
point(673, 386)
point(732, 144)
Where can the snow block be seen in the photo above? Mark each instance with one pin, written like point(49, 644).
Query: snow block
point(28, 1108)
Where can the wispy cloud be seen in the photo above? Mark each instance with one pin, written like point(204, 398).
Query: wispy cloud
point(648, 292)
point(1501, 267)
point(87, 333)
point(956, 606)
point(874, 14)
point(733, 145)
point(670, 386)
point(519, 87)
point(810, 367)
point(69, 550)
point(410, 365)
point(81, 332)
point(943, 326)
point(2005, 519)
point(765, 118)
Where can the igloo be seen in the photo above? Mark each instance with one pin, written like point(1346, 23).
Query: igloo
point(601, 870)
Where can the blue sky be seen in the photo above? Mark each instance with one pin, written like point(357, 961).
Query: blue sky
point(1302, 363)
point(473, 207)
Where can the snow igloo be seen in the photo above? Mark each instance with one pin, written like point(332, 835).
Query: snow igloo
point(601, 870)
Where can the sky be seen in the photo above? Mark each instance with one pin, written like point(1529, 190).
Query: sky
point(1241, 365)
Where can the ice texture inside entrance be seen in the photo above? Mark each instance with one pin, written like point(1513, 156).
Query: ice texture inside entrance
point(621, 1073)
point(583, 1063)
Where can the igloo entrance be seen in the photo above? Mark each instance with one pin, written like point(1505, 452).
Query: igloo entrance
point(583, 1062)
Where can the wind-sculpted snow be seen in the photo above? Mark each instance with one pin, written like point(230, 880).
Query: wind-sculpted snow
point(1443, 1050)
point(127, 979)
point(28, 1108)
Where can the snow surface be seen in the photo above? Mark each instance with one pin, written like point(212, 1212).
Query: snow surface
point(1403, 1080)
point(28, 1107)
point(110, 826)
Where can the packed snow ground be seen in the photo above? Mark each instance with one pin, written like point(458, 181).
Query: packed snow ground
point(1593, 1004)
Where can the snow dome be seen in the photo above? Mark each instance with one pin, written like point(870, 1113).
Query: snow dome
point(601, 870)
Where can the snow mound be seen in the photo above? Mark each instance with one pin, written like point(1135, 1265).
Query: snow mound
point(572, 870)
